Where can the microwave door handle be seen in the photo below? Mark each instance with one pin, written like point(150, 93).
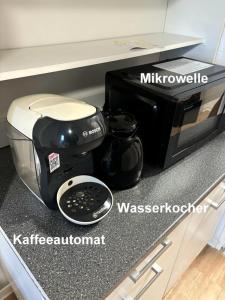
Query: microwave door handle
point(192, 106)
point(194, 102)
point(195, 107)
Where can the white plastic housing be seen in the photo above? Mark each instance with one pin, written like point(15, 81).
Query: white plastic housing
point(25, 111)
point(77, 180)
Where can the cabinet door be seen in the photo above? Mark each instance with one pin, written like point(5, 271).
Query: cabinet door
point(199, 231)
point(150, 278)
point(3, 281)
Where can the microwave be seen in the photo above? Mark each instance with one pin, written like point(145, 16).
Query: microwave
point(174, 117)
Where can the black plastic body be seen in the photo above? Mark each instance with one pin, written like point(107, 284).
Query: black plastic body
point(73, 141)
point(119, 160)
point(162, 111)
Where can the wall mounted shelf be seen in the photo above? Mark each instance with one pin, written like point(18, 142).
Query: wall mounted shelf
point(18, 63)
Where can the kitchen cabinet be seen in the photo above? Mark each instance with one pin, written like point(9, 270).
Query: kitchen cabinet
point(149, 279)
point(21, 279)
point(199, 231)
point(190, 246)
point(3, 280)
point(5, 288)
point(162, 268)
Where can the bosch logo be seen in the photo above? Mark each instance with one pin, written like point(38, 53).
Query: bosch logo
point(90, 132)
point(94, 130)
point(85, 133)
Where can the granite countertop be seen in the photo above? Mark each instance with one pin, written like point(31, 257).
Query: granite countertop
point(88, 272)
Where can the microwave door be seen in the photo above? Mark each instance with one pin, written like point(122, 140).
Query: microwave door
point(185, 117)
point(199, 118)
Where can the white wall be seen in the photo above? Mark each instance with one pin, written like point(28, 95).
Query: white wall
point(26, 23)
point(204, 18)
point(220, 56)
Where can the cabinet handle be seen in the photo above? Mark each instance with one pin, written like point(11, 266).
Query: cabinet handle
point(136, 275)
point(216, 205)
point(158, 271)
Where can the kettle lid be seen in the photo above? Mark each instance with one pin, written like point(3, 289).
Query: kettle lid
point(121, 123)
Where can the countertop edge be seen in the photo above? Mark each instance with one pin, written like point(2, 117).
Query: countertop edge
point(12, 259)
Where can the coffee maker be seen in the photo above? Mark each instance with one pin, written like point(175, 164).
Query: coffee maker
point(52, 138)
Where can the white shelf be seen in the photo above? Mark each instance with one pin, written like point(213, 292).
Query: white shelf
point(17, 63)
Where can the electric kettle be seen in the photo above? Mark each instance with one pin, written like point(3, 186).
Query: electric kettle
point(119, 159)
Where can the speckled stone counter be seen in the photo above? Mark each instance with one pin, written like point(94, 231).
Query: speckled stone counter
point(88, 272)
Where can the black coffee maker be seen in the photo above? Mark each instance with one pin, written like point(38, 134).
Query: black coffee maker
point(52, 150)
point(119, 159)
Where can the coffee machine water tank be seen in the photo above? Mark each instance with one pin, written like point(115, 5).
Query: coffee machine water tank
point(52, 138)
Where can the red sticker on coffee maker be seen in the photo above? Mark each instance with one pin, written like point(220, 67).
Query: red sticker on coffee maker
point(54, 161)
